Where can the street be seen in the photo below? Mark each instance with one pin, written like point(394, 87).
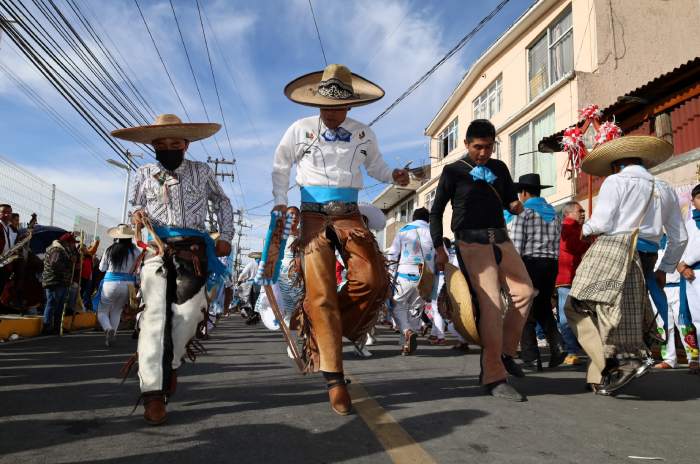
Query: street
point(61, 400)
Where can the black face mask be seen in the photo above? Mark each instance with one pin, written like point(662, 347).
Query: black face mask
point(170, 159)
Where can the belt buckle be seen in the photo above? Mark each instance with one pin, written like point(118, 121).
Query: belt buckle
point(334, 207)
point(492, 235)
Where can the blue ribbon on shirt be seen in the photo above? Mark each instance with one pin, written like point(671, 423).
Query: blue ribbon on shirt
point(216, 269)
point(483, 173)
point(542, 208)
point(339, 135)
point(696, 217)
point(411, 277)
point(508, 216)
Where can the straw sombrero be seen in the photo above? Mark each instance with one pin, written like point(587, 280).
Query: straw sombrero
point(168, 126)
point(375, 218)
point(255, 255)
point(651, 150)
point(333, 87)
point(121, 231)
point(462, 310)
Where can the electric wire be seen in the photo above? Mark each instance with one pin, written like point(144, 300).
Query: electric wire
point(442, 60)
point(318, 33)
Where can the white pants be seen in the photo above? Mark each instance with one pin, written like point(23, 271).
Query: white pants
point(114, 296)
point(153, 323)
point(438, 329)
point(668, 351)
point(693, 293)
point(407, 299)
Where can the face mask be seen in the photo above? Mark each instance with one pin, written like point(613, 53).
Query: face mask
point(170, 159)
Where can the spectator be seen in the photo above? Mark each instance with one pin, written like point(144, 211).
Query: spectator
point(86, 286)
point(59, 261)
point(571, 249)
point(8, 236)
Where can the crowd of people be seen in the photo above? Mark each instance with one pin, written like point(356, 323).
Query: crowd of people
point(527, 271)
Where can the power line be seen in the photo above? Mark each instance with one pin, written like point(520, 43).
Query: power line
point(447, 56)
point(318, 33)
point(386, 39)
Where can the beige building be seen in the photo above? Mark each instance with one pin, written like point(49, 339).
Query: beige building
point(559, 56)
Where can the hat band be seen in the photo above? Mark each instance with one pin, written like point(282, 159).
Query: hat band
point(335, 89)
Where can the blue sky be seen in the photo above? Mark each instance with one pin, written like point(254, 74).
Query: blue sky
point(265, 43)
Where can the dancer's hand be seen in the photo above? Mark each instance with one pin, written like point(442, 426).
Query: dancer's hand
point(281, 208)
point(516, 207)
point(688, 274)
point(401, 177)
point(441, 259)
point(660, 277)
point(223, 248)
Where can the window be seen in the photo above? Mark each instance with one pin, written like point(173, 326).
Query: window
point(405, 212)
point(552, 56)
point(448, 138)
point(488, 103)
point(525, 157)
point(430, 199)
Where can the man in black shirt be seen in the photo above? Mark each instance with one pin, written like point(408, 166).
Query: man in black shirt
point(480, 188)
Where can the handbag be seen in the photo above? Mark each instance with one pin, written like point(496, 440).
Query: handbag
point(427, 277)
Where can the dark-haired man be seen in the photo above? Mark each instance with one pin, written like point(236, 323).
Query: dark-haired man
point(535, 235)
point(479, 188)
point(411, 250)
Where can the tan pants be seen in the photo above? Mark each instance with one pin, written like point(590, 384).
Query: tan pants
point(499, 334)
point(352, 311)
point(585, 328)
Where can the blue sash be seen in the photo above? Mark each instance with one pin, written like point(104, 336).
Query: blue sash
point(119, 277)
point(319, 194)
point(411, 277)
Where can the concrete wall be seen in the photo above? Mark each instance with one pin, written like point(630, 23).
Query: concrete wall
point(640, 40)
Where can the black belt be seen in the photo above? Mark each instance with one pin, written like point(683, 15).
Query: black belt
point(483, 236)
point(332, 208)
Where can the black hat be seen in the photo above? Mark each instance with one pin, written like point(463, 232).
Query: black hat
point(530, 180)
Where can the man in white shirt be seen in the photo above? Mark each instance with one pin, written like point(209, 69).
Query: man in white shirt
point(328, 151)
point(410, 252)
point(608, 307)
point(246, 287)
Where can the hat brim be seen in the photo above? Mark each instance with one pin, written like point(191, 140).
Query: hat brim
point(651, 150)
point(374, 215)
point(192, 131)
point(303, 90)
point(115, 233)
point(462, 308)
point(519, 185)
point(255, 254)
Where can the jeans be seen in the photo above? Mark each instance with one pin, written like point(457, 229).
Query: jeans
point(570, 343)
point(543, 272)
point(86, 293)
point(55, 299)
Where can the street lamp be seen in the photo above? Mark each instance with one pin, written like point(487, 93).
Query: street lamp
point(126, 187)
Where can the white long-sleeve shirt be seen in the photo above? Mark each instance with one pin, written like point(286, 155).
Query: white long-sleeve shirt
point(622, 201)
point(412, 246)
point(326, 163)
point(692, 251)
point(249, 271)
point(106, 264)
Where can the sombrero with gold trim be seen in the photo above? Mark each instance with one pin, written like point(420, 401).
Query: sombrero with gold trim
point(651, 150)
point(334, 87)
point(168, 126)
point(121, 231)
point(462, 309)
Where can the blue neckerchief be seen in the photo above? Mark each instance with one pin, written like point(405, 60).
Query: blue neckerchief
point(542, 208)
point(339, 134)
point(216, 268)
point(483, 173)
point(508, 216)
point(696, 217)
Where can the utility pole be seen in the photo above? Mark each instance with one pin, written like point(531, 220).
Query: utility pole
point(213, 226)
point(239, 230)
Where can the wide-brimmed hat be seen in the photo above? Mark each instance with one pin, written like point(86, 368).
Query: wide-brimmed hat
point(530, 180)
point(334, 87)
point(651, 150)
point(255, 255)
point(462, 308)
point(121, 231)
point(375, 218)
point(168, 126)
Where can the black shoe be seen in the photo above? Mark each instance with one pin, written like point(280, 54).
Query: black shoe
point(254, 319)
point(556, 358)
point(511, 366)
point(624, 374)
point(506, 391)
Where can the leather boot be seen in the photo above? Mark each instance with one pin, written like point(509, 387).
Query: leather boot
point(339, 398)
point(154, 408)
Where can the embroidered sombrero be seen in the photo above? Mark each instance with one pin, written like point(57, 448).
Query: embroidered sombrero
point(334, 87)
point(462, 311)
point(121, 231)
point(651, 150)
point(168, 126)
point(375, 218)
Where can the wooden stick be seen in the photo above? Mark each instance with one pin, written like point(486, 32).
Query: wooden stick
point(283, 326)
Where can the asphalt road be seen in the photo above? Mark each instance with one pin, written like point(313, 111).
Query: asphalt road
point(61, 401)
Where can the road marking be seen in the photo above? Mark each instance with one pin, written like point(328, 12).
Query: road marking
point(399, 445)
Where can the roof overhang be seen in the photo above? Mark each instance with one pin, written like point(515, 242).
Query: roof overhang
point(528, 19)
point(394, 194)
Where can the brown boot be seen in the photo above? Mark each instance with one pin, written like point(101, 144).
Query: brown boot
point(154, 408)
point(339, 397)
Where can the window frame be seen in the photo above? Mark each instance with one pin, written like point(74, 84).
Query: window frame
point(530, 125)
point(548, 34)
point(494, 87)
point(444, 138)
